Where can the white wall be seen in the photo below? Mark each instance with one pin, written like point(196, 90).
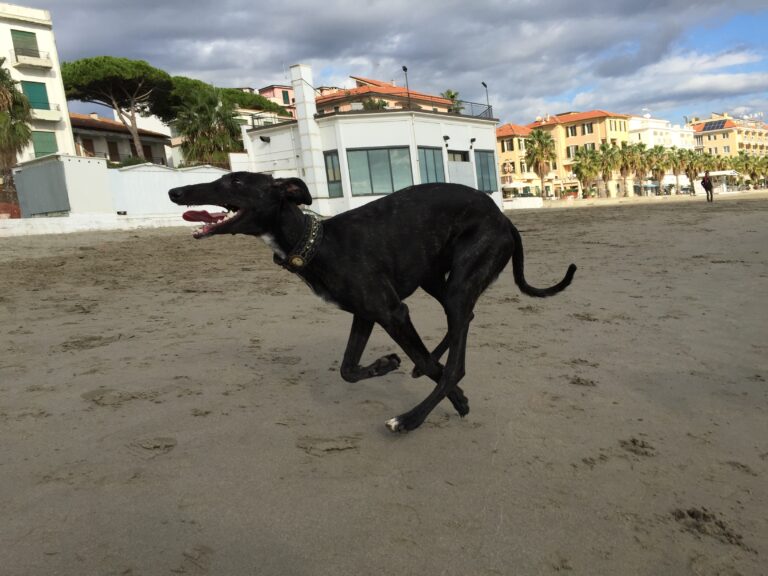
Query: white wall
point(143, 190)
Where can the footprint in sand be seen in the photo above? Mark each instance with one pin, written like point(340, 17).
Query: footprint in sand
point(703, 522)
point(638, 447)
point(148, 448)
point(317, 446)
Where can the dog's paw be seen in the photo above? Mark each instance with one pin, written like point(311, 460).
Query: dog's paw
point(394, 425)
point(384, 365)
point(404, 423)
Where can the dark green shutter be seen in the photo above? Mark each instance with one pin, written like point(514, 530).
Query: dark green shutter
point(25, 43)
point(44, 143)
point(36, 94)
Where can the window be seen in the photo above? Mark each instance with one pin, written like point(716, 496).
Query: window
point(286, 97)
point(431, 165)
point(508, 145)
point(36, 94)
point(523, 167)
point(570, 151)
point(147, 150)
point(44, 143)
point(521, 144)
point(88, 148)
point(379, 170)
point(458, 156)
point(25, 43)
point(590, 146)
point(114, 153)
point(485, 164)
point(571, 130)
point(586, 129)
point(726, 149)
point(333, 174)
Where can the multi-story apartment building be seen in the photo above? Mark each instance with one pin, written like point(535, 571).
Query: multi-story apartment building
point(516, 178)
point(724, 135)
point(282, 95)
point(657, 132)
point(574, 130)
point(106, 138)
point(27, 44)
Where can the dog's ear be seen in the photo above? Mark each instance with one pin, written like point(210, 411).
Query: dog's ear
point(294, 190)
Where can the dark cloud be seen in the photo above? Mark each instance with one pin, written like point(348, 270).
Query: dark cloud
point(534, 55)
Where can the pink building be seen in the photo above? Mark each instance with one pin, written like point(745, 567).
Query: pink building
point(282, 95)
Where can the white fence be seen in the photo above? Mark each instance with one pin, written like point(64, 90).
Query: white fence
point(60, 193)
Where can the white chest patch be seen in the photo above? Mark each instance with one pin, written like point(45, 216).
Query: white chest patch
point(269, 240)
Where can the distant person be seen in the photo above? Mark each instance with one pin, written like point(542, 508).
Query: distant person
point(706, 183)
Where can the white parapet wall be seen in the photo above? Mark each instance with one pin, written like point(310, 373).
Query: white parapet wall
point(60, 194)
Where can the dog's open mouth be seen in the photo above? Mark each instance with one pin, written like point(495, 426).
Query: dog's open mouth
point(216, 222)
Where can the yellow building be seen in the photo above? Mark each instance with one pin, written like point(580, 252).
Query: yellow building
point(723, 135)
point(515, 177)
point(574, 130)
point(570, 131)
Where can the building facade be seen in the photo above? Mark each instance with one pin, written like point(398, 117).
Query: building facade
point(351, 157)
point(28, 46)
point(724, 135)
point(574, 130)
point(657, 132)
point(97, 137)
point(282, 95)
point(516, 178)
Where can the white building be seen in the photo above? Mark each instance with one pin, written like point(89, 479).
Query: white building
point(28, 46)
point(350, 158)
point(657, 132)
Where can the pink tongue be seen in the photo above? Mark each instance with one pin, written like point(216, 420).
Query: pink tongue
point(203, 216)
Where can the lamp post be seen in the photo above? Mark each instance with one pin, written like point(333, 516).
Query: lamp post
point(487, 100)
point(407, 89)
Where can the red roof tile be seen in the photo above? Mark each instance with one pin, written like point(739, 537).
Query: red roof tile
point(512, 130)
point(568, 117)
point(107, 125)
point(377, 87)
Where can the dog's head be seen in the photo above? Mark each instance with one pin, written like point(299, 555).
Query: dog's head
point(253, 202)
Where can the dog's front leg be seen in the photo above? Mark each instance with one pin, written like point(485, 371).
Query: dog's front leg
point(351, 370)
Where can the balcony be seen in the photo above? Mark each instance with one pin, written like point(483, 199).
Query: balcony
point(27, 58)
point(45, 111)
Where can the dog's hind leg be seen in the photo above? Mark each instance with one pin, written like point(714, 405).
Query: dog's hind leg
point(351, 370)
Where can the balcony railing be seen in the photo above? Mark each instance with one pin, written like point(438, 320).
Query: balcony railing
point(30, 57)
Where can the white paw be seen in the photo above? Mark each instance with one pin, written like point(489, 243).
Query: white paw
point(393, 424)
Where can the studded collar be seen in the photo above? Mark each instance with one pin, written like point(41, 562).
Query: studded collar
point(305, 249)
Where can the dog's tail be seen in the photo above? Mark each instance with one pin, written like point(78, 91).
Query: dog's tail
point(517, 271)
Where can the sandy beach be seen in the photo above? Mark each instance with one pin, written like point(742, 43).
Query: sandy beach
point(171, 406)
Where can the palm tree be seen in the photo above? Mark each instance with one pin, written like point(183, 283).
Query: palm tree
point(540, 153)
point(609, 161)
point(626, 163)
point(453, 96)
point(586, 167)
point(209, 129)
point(676, 161)
point(659, 162)
point(640, 164)
point(694, 164)
point(15, 132)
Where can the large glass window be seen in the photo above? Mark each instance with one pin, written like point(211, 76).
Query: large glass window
point(379, 170)
point(431, 166)
point(333, 174)
point(485, 164)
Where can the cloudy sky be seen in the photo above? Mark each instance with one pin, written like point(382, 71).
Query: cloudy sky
point(674, 58)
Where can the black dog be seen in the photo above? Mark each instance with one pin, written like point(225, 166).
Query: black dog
point(448, 239)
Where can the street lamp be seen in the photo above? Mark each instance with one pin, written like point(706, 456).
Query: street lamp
point(407, 89)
